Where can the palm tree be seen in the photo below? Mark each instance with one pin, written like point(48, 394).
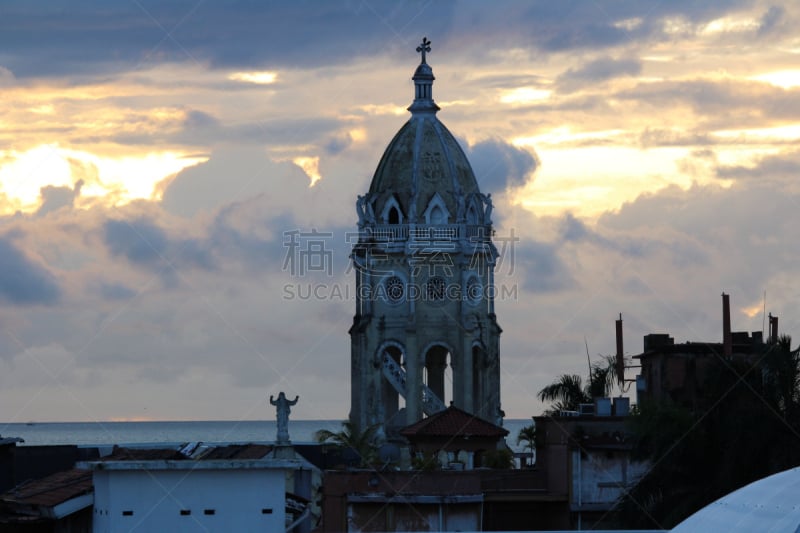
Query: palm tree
point(565, 394)
point(528, 436)
point(362, 442)
point(568, 391)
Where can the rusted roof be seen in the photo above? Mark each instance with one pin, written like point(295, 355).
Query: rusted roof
point(453, 422)
point(51, 490)
point(238, 451)
point(143, 454)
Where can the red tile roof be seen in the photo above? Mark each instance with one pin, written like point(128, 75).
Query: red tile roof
point(453, 422)
point(51, 490)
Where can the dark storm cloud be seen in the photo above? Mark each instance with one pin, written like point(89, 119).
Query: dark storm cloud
point(54, 38)
point(498, 165)
point(57, 37)
point(23, 281)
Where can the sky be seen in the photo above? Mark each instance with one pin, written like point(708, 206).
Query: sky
point(155, 155)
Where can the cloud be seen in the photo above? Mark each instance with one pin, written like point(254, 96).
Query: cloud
point(541, 267)
point(772, 21)
point(499, 165)
point(146, 245)
point(781, 166)
point(54, 198)
point(22, 281)
point(94, 37)
point(235, 174)
point(113, 291)
point(599, 70)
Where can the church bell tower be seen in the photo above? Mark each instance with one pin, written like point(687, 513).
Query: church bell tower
point(424, 331)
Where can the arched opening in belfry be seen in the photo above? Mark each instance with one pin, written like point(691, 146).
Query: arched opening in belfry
point(391, 400)
point(438, 372)
point(394, 215)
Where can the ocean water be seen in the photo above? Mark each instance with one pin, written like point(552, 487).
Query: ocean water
point(122, 433)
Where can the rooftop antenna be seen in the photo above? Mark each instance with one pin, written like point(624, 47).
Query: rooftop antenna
point(588, 360)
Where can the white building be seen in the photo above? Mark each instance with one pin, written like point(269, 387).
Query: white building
point(196, 495)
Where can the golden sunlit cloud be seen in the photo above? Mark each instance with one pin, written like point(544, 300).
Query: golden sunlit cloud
point(564, 135)
point(358, 134)
point(729, 24)
point(524, 95)
point(262, 78)
point(385, 109)
point(310, 166)
point(785, 79)
point(113, 181)
point(44, 109)
point(778, 133)
point(753, 310)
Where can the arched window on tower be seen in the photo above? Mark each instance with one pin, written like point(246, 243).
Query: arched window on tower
point(394, 215)
point(437, 373)
point(391, 212)
point(438, 216)
point(436, 212)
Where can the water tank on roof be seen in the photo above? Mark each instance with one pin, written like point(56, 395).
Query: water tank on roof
point(622, 406)
point(602, 406)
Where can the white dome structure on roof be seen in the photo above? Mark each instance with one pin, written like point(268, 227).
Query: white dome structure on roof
point(769, 505)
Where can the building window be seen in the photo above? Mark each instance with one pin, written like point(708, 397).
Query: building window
point(127, 513)
point(185, 512)
point(266, 511)
point(209, 511)
point(395, 289)
point(435, 289)
point(474, 290)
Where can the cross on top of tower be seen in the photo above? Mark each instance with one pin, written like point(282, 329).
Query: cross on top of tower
point(424, 47)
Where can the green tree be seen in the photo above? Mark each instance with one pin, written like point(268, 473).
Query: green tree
point(568, 391)
point(527, 435)
point(363, 442)
point(565, 393)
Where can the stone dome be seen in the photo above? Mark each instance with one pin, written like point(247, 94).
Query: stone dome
point(423, 160)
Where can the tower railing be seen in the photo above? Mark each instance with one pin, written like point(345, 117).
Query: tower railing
point(390, 233)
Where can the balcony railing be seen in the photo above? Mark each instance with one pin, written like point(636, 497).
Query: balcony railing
point(428, 232)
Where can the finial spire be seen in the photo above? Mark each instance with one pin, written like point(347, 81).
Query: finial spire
point(424, 47)
point(423, 83)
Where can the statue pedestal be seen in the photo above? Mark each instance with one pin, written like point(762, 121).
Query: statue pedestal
point(283, 451)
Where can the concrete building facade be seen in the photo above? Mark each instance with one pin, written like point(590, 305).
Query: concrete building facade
point(424, 264)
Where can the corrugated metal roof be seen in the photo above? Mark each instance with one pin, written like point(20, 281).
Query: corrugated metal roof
point(238, 451)
point(51, 490)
